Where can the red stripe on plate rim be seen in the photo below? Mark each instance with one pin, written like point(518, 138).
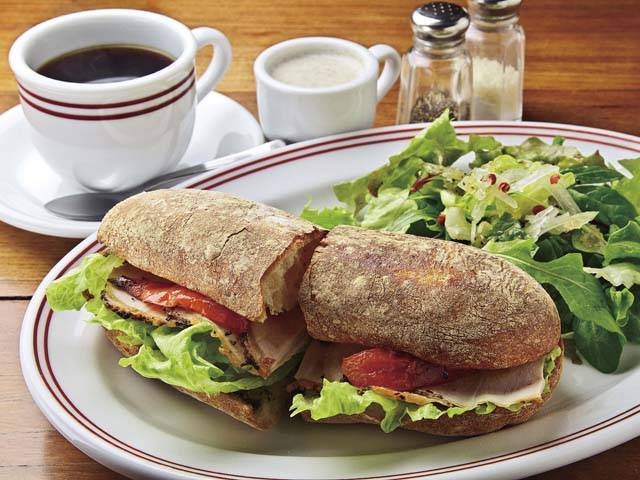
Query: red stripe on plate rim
point(95, 106)
point(113, 116)
point(92, 428)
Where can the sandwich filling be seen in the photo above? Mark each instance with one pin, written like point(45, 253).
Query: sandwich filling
point(185, 338)
point(340, 379)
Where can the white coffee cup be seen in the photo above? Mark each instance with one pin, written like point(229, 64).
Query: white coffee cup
point(114, 136)
point(296, 113)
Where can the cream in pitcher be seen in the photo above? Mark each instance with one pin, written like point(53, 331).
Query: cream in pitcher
point(314, 86)
point(318, 69)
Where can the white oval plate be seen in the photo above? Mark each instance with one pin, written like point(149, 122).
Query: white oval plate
point(222, 127)
point(143, 428)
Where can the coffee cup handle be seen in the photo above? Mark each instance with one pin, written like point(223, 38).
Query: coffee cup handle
point(391, 70)
point(219, 63)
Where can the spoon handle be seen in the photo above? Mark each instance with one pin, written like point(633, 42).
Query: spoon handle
point(214, 164)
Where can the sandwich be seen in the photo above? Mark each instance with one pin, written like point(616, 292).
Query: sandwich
point(423, 334)
point(199, 289)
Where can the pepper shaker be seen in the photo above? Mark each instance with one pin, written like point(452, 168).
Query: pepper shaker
point(495, 41)
point(436, 71)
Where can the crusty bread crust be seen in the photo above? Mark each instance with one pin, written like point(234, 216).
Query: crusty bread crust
point(467, 424)
point(259, 409)
point(444, 302)
point(212, 242)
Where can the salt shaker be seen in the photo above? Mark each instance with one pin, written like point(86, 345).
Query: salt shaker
point(436, 71)
point(495, 41)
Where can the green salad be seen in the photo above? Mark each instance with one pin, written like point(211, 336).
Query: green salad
point(567, 219)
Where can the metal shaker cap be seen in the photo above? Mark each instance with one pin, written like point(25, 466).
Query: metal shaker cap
point(440, 22)
point(494, 10)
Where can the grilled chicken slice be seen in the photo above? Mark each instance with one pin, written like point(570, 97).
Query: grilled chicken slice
point(261, 350)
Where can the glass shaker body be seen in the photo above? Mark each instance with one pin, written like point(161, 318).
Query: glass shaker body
point(496, 47)
point(434, 79)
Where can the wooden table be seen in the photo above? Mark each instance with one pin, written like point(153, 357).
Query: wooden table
point(582, 66)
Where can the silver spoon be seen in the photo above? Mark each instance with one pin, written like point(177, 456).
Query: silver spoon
point(92, 206)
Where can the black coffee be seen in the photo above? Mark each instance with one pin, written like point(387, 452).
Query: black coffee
point(103, 64)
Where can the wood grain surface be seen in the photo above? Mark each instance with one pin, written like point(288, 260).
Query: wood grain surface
point(582, 67)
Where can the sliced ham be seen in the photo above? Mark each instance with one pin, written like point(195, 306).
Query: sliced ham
point(276, 340)
point(502, 387)
point(323, 360)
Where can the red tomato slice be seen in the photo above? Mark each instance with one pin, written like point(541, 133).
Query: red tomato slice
point(381, 367)
point(171, 295)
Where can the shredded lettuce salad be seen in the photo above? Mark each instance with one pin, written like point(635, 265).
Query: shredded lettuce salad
point(187, 358)
point(342, 398)
point(567, 219)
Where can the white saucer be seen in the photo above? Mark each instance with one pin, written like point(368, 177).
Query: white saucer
point(223, 126)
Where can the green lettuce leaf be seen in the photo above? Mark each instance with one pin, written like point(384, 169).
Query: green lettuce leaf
point(437, 144)
point(342, 398)
point(630, 187)
point(400, 174)
point(597, 335)
point(556, 153)
point(133, 332)
point(617, 274)
point(68, 292)
point(392, 210)
point(623, 244)
point(328, 217)
point(486, 148)
point(189, 358)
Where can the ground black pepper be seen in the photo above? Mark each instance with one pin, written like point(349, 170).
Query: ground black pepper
point(431, 104)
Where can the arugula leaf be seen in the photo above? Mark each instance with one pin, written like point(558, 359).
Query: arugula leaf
point(623, 244)
point(623, 273)
point(630, 187)
point(611, 206)
point(552, 247)
point(598, 337)
point(588, 239)
point(566, 317)
point(601, 347)
point(327, 217)
point(632, 328)
point(592, 174)
point(506, 228)
point(620, 302)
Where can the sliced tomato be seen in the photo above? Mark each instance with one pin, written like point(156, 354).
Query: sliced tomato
point(168, 294)
point(381, 367)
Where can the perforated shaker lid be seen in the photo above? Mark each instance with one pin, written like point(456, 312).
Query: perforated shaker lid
point(440, 22)
point(494, 9)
